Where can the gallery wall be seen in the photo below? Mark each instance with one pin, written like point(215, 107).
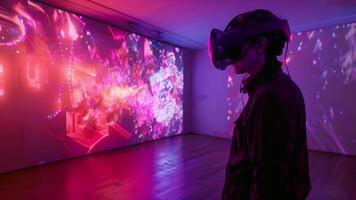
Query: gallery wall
point(321, 61)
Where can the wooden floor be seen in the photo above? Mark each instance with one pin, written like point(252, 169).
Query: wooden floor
point(181, 167)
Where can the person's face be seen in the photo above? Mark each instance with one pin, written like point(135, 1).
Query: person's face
point(253, 57)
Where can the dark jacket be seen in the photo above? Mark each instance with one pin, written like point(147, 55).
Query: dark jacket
point(269, 156)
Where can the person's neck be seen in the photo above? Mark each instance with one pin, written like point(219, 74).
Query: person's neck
point(269, 68)
point(254, 72)
point(271, 65)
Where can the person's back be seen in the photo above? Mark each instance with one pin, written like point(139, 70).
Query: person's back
point(269, 143)
point(278, 140)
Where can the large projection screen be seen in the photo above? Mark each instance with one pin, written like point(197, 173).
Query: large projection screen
point(322, 62)
point(71, 86)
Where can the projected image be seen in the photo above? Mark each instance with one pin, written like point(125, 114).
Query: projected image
point(323, 64)
point(87, 81)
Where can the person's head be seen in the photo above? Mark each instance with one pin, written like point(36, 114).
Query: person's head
point(259, 50)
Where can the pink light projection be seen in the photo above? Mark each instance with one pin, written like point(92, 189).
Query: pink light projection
point(2, 81)
point(91, 84)
point(33, 75)
point(322, 63)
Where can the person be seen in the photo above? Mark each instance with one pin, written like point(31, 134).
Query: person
point(268, 157)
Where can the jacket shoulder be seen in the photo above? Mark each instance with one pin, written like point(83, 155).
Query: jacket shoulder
point(281, 89)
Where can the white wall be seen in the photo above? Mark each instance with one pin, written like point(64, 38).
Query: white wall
point(209, 94)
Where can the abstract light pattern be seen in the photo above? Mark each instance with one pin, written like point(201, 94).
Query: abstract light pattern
point(323, 63)
point(102, 80)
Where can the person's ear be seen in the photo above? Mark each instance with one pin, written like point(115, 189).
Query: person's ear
point(262, 45)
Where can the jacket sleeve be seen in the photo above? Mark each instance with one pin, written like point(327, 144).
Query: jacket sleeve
point(270, 153)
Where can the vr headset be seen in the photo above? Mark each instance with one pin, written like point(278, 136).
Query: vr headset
point(225, 46)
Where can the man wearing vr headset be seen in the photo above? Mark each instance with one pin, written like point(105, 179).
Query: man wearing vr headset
point(268, 156)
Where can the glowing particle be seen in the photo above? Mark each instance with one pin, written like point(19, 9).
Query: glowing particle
point(229, 79)
point(72, 32)
point(317, 96)
point(147, 49)
point(62, 34)
point(311, 34)
point(332, 113)
point(315, 62)
point(318, 45)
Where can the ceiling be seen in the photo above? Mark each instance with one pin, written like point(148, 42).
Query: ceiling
point(187, 23)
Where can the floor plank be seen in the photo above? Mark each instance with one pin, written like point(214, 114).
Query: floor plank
point(182, 167)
